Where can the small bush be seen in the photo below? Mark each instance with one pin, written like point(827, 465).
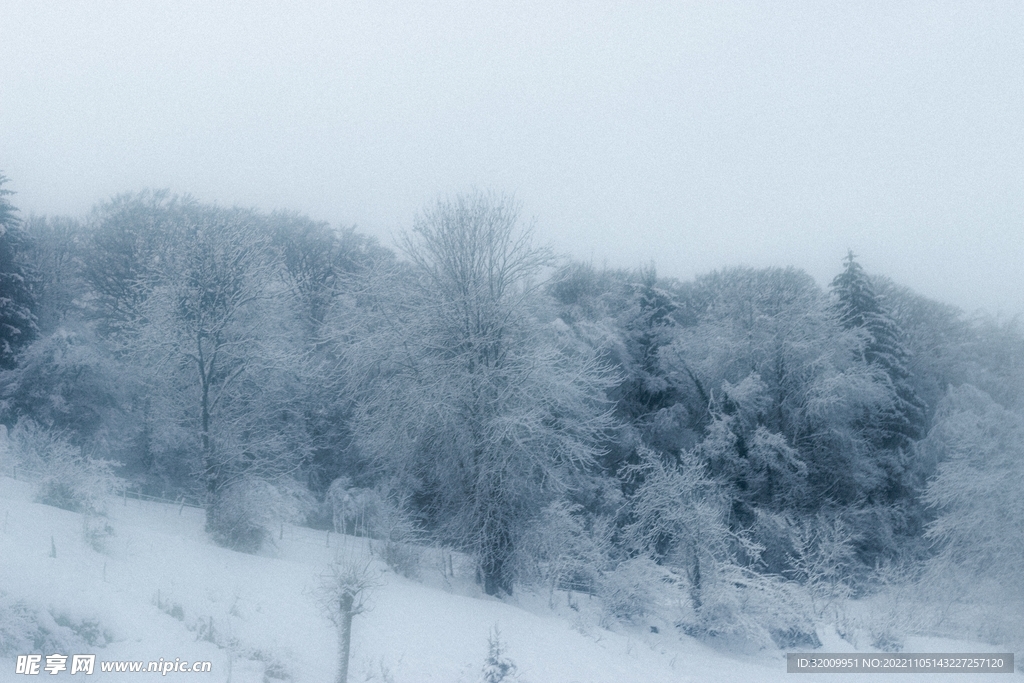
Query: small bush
point(823, 560)
point(18, 625)
point(243, 513)
point(761, 609)
point(563, 551)
point(355, 510)
point(25, 629)
point(67, 479)
point(169, 607)
point(235, 519)
point(634, 588)
point(96, 531)
point(892, 609)
point(380, 516)
point(89, 630)
point(397, 538)
point(497, 667)
point(403, 558)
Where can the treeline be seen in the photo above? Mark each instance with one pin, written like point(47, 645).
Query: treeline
point(742, 434)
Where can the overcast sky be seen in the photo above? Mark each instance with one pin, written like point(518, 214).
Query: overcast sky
point(694, 134)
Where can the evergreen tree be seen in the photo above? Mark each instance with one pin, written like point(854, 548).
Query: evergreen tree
point(859, 307)
point(17, 320)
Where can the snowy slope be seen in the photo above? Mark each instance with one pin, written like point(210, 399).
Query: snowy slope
point(157, 585)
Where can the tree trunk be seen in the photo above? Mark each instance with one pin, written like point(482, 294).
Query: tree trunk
point(208, 464)
point(496, 570)
point(344, 637)
point(695, 584)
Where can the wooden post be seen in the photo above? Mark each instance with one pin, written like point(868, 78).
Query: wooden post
point(344, 635)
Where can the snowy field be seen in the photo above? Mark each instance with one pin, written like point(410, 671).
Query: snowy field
point(153, 586)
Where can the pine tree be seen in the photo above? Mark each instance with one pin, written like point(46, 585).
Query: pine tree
point(17, 320)
point(859, 307)
point(497, 667)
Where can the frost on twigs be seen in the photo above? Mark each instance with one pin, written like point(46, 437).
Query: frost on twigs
point(382, 515)
point(67, 478)
point(635, 588)
point(563, 549)
point(343, 591)
point(243, 513)
point(823, 562)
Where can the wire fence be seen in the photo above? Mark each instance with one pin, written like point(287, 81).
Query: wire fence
point(293, 533)
point(125, 489)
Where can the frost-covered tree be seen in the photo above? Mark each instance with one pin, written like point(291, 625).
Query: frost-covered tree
point(469, 400)
point(978, 491)
point(55, 251)
point(66, 382)
point(680, 516)
point(208, 332)
point(17, 319)
point(121, 260)
point(322, 266)
point(860, 308)
point(209, 321)
point(777, 388)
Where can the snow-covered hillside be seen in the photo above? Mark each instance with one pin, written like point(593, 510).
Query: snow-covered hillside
point(145, 583)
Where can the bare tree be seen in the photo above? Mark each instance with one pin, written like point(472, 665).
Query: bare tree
point(215, 333)
point(469, 400)
point(343, 591)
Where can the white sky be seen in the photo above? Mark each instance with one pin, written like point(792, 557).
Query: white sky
point(693, 134)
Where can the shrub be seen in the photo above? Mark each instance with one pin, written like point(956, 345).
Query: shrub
point(397, 537)
point(96, 531)
point(634, 588)
point(234, 520)
point(563, 551)
point(823, 560)
point(243, 513)
point(497, 667)
point(67, 479)
point(25, 629)
point(354, 510)
point(761, 609)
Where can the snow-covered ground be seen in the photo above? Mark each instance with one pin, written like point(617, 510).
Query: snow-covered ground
point(155, 586)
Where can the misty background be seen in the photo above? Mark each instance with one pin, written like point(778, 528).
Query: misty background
point(696, 135)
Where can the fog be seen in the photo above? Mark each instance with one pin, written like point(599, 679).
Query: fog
point(696, 135)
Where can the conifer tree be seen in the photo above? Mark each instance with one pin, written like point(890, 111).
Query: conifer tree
point(859, 307)
point(17, 320)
